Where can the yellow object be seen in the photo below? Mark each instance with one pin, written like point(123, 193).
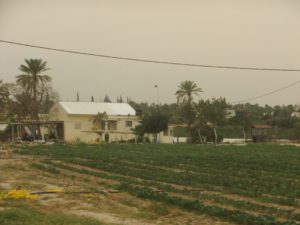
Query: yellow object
point(57, 190)
point(19, 194)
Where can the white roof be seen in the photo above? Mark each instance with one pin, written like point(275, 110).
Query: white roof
point(3, 126)
point(93, 108)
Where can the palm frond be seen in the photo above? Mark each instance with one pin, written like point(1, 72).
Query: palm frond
point(186, 91)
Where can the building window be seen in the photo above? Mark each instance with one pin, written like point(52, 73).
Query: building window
point(128, 123)
point(102, 125)
point(112, 125)
point(77, 126)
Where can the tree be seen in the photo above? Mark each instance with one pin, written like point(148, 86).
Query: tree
point(3, 92)
point(186, 91)
point(187, 114)
point(98, 122)
point(106, 99)
point(20, 102)
point(20, 108)
point(98, 119)
point(212, 113)
point(256, 112)
point(4, 99)
point(186, 111)
point(48, 99)
point(199, 121)
point(153, 124)
point(297, 129)
point(282, 116)
point(120, 99)
point(33, 81)
point(242, 118)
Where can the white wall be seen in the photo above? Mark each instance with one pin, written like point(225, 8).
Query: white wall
point(80, 127)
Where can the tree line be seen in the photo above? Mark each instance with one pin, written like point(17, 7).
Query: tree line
point(32, 95)
point(206, 118)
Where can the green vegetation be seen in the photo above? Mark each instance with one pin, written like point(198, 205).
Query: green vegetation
point(31, 94)
point(45, 168)
point(254, 184)
point(186, 91)
point(32, 79)
point(152, 124)
point(17, 213)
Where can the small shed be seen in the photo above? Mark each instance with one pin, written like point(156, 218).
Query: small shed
point(261, 132)
point(39, 131)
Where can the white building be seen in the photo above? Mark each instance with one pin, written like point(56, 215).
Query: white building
point(295, 114)
point(78, 121)
point(170, 135)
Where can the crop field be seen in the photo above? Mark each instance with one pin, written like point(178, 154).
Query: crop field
point(253, 184)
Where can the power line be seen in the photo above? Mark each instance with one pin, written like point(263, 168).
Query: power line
point(266, 94)
point(152, 61)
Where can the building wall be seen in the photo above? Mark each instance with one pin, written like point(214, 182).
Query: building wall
point(57, 113)
point(80, 127)
point(167, 136)
point(123, 131)
point(164, 137)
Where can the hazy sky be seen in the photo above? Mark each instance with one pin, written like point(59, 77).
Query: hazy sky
point(250, 33)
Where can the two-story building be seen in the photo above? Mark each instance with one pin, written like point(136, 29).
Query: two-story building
point(79, 121)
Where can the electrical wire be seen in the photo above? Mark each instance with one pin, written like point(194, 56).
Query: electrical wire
point(152, 61)
point(266, 94)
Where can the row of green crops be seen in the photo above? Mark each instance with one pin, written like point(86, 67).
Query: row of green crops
point(23, 213)
point(262, 172)
point(252, 170)
point(170, 189)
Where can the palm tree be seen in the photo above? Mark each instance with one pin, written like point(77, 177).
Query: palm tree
point(33, 80)
point(186, 91)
